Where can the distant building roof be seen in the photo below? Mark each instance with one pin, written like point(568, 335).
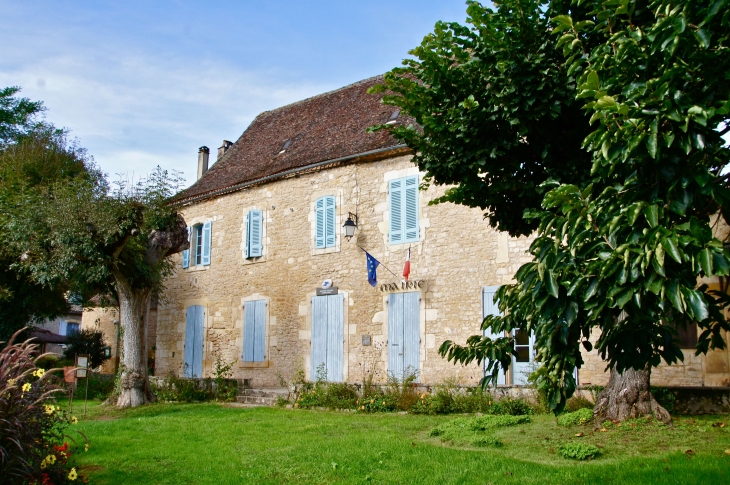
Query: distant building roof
point(43, 336)
point(323, 128)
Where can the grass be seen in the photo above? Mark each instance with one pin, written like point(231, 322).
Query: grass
point(217, 444)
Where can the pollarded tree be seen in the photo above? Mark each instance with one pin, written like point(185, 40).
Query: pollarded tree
point(109, 243)
point(619, 254)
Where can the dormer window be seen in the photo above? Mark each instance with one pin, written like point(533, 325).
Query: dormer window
point(393, 117)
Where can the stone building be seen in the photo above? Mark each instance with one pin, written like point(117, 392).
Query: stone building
point(272, 284)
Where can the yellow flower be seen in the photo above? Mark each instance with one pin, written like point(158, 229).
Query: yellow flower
point(51, 459)
point(48, 408)
point(44, 464)
point(26, 387)
point(372, 401)
point(72, 474)
point(39, 373)
point(296, 405)
point(11, 382)
point(74, 420)
point(86, 447)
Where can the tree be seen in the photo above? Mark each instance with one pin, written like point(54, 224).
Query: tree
point(619, 248)
point(87, 342)
point(104, 242)
point(33, 154)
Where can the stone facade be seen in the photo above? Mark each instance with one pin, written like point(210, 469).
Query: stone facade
point(457, 254)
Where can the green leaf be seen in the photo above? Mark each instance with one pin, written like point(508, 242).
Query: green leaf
point(705, 258)
point(552, 285)
point(703, 38)
point(624, 297)
point(674, 295)
point(651, 212)
point(591, 290)
point(604, 103)
point(651, 145)
point(696, 303)
point(671, 248)
point(563, 20)
point(592, 81)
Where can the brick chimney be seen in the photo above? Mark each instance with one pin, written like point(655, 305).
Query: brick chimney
point(224, 148)
point(203, 155)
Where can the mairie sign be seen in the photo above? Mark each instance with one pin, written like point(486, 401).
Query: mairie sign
point(403, 285)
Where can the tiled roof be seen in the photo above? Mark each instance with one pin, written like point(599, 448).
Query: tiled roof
point(326, 127)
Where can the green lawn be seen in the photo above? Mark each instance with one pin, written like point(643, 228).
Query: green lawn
point(215, 444)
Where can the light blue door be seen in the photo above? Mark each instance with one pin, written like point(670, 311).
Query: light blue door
point(489, 307)
point(328, 337)
point(193, 355)
point(404, 336)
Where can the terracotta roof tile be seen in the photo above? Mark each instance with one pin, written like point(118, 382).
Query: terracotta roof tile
point(325, 127)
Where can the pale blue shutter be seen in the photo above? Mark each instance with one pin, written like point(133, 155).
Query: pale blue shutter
point(320, 222)
point(335, 337)
point(249, 330)
point(207, 236)
point(395, 335)
point(62, 328)
point(489, 307)
point(412, 332)
point(186, 253)
point(330, 234)
point(396, 211)
point(259, 337)
point(190, 316)
point(410, 210)
point(319, 334)
point(198, 341)
point(255, 233)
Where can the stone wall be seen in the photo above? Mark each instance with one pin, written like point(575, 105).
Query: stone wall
point(456, 256)
point(102, 319)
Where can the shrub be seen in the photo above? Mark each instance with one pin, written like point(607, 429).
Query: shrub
point(31, 427)
point(402, 391)
point(581, 416)
point(512, 407)
point(377, 402)
point(100, 385)
point(665, 397)
point(86, 341)
point(449, 398)
point(578, 451)
point(180, 389)
point(226, 388)
point(472, 430)
point(578, 402)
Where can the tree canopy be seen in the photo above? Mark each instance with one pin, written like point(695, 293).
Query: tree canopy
point(621, 242)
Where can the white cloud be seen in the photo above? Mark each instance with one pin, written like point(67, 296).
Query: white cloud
point(133, 111)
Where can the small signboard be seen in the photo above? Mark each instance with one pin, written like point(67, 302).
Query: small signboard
point(107, 352)
point(82, 362)
point(332, 290)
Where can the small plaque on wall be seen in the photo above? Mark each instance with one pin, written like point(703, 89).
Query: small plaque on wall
point(332, 290)
point(365, 340)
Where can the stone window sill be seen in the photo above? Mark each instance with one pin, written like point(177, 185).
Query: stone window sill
point(253, 365)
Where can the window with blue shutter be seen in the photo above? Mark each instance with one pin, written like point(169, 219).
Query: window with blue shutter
point(254, 331)
point(404, 225)
point(489, 307)
point(254, 233)
point(186, 253)
point(325, 232)
point(207, 234)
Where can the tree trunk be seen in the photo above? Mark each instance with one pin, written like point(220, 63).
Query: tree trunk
point(133, 312)
point(626, 396)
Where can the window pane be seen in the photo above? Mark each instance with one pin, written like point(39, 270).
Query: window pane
point(521, 338)
point(523, 354)
point(198, 244)
point(687, 336)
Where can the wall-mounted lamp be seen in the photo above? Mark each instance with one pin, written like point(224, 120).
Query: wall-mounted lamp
point(349, 226)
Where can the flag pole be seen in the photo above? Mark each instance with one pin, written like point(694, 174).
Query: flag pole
point(381, 264)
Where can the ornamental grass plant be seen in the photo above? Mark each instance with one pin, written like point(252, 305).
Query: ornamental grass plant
point(33, 446)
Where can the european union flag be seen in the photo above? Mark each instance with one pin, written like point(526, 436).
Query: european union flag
point(372, 267)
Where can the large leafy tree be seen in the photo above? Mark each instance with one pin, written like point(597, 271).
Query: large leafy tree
point(33, 155)
point(620, 246)
point(107, 242)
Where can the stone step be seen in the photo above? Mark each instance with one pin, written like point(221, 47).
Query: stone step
point(257, 400)
point(264, 392)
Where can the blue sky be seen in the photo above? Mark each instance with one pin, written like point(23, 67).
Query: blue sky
point(143, 83)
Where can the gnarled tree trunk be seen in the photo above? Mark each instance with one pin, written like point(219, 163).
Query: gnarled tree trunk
point(133, 315)
point(626, 396)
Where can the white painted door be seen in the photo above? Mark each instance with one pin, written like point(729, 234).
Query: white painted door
point(404, 336)
point(328, 337)
point(523, 364)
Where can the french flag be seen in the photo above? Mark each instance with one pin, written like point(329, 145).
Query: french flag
point(407, 266)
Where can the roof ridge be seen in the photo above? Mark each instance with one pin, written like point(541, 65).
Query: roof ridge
point(317, 96)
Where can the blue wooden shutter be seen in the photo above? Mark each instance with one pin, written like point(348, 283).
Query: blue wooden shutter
point(489, 307)
point(330, 230)
point(198, 341)
point(319, 334)
point(395, 335)
point(249, 330)
point(255, 233)
point(335, 337)
point(320, 221)
point(259, 334)
point(410, 209)
point(207, 236)
point(412, 332)
point(396, 211)
point(62, 328)
point(189, 341)
point(186, 253)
